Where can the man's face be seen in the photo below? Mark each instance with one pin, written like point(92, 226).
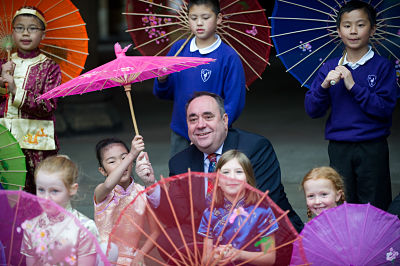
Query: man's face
point(207, 129)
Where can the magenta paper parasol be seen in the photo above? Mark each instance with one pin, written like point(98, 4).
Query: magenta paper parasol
point(351, 234)
point(48, 233)
point(122, 72)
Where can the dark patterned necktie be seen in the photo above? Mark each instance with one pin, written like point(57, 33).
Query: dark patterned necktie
point(211, 168)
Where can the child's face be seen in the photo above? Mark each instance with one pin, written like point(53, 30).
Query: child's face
point(355, 29)
point(112, 156)
point(321, 195)
point(50, 186)
point(27, 41)
point(231, 187)
point(203, 22)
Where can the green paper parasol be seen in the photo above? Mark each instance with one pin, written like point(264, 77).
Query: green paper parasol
point(12, 161)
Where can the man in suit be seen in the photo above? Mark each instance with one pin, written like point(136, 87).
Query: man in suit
point(209, 133)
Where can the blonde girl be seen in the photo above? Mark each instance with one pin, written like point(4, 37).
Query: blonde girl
point(56, 180)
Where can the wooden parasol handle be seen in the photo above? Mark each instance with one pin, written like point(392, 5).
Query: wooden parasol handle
point(183, 45)
point(128, 94)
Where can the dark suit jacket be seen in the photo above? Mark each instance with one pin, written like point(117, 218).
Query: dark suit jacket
point(266, 170)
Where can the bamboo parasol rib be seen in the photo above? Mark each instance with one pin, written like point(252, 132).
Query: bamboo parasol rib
point(297, 46)
point(300, 31)
point(245, 61)
point(315, 70)
point(306, 7)
point(387, 49)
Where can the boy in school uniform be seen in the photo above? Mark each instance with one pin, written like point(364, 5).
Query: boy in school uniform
point(224, 77)
point(361, 90)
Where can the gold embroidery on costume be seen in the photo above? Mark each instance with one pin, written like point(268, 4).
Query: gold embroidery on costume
point(33, 139)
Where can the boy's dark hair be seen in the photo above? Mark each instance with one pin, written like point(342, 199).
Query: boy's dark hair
point(103, 144)
point(42, 24)
point(357, 4)
point(213, 4)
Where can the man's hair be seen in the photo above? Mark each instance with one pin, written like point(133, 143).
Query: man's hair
point(213, 4)
point(216, 97)
point(357, 4)
point(104, 143)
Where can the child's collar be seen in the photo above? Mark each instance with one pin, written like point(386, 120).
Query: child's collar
point(206, 50)
point(31, 54)
point(367, 56)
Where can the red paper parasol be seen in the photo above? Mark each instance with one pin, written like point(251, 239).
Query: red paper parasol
point(260, 226)
point(156, 24)
point(122, 72)
point(66, 40)
point(38, 227)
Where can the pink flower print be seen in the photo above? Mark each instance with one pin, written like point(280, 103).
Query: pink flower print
point(237, 212)
point(305, 47)
point(41, 249)
point(18, 229)
point(392, 255)
point(145, 19)
point(253, 31)
point(71, 260)
point(41, 235)
point(26, 225)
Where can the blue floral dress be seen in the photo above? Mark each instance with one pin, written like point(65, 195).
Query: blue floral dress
point(260, 219)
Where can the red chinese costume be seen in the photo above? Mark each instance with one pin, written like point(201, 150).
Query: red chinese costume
point(30, 120)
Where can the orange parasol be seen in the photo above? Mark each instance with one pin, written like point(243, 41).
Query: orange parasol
point(66, 40)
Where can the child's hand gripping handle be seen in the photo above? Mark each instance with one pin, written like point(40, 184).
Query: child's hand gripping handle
point(333, 82)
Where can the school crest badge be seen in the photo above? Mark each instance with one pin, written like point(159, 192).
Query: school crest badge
point(205, 74)
point(371, 80)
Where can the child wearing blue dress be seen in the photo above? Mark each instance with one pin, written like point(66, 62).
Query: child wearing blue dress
point(261, 224)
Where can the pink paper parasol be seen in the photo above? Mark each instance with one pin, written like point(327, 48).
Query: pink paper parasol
point(48, 233)
point(351, 234)
point(122, 72)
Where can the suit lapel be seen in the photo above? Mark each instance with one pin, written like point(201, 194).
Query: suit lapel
point(197, 162)
point(231, 141)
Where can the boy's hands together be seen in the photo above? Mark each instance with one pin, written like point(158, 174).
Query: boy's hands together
point(345, 74)
point(333, 75)
point(340, 72)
